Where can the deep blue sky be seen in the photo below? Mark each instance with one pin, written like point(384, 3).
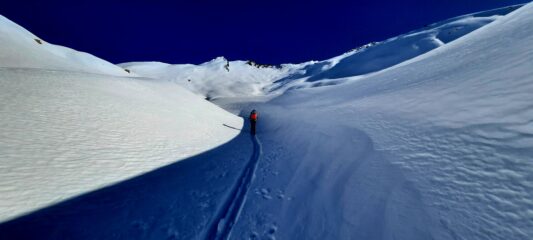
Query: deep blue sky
point(268, 31)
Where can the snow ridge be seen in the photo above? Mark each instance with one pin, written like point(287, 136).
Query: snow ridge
point(223, 78)
point(21, 49)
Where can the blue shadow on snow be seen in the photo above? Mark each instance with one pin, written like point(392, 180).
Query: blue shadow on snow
point(179, 201)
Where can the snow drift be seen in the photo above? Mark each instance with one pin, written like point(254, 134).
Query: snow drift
point(437, 147)
point(434, 142)
point(69, 124)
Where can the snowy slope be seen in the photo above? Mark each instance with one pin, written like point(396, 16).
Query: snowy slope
point(438, 147)
point(434, 142)
point(21, 49)
point(63, 134)
point(377, 56)
point(213, 80)
point(68, 126)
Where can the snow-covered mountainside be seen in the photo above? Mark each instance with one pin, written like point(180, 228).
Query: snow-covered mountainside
point(21, 49)
point(437, 147)
point(69, 124)
point(427, 135)
point(217, 78)
point(223, 78)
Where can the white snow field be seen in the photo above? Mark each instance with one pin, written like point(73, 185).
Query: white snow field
point(438, 147)
point(416, 137)
point(67, 126)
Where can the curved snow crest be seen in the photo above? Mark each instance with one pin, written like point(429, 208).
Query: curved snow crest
point(63, 134)
point(456, 122)
point(20, 48)
point(378, 56)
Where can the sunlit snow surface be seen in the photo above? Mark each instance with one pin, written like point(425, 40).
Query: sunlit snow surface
point(69, 124)
point(21, 49)
point(415, 137)
point(68, 133)
point(438, 147)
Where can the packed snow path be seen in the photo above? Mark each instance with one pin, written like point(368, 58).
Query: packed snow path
point(438, 147)
point(316, 181)
point(232, 208)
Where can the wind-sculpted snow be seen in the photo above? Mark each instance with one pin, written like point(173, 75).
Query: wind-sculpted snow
point(425, 136)
point(63, 134)
point(438, 147)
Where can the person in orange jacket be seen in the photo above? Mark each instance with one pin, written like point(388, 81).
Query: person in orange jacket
point(253, 121)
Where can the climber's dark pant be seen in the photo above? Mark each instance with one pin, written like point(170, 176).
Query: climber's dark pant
point(252, 124)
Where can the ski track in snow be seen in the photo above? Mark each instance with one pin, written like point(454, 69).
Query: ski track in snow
point(178, 201)
point(420, 148)
point(222, 226)
point(316, 191)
